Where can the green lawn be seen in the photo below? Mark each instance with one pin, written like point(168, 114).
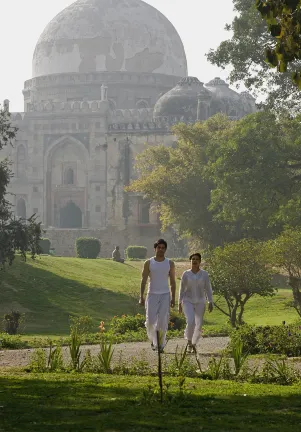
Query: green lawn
point(101, 403)
point(50, 289)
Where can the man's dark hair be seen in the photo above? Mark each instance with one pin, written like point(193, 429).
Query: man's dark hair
point(160, 241)
point(195, 254)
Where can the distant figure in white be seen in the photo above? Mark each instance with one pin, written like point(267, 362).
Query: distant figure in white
point(195, 291)
point(159, 298)
point(116, 256)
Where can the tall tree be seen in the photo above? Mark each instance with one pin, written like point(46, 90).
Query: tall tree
point(15, 235)
point(244, 53)
point(226, 180)
point(175, 179)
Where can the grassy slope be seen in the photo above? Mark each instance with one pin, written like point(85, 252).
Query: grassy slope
point(49, 402)
point(50, 289)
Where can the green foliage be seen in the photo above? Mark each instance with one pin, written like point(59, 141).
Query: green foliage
point(283, 339)
point(45, 246)
point(243, 53)
point(136, 252)
point(15, 235)
point(55, 359)
point(239, 271)
point(82, 324)
point(12, 322)
point(238, 355)
point(285, 253)
point(105, 356)
point(87, 247)
point(75, 351)
point(133, 323)
point(12, 342)
point(283, 19)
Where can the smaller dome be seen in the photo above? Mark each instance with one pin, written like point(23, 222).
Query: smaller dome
point(182, 100)
point(225, 99)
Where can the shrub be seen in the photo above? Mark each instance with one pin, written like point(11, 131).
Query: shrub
point(45, 246)
point(12, 322)
point(87, 247)
point(282, 339)
point(136, 252)
point(125, 323)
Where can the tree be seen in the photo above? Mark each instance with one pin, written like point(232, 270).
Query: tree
point(286, 254)
point(244, 54)
point(226, 180)
point(15, 235)
point(175, 178)
point(255, 167)
point(238, 272)
point(283, 18)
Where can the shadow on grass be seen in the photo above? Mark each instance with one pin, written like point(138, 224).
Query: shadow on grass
point(97, 404)
point(48, 299)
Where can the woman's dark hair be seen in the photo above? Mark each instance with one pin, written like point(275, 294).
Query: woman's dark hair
point(160, 241)
point(195, 254)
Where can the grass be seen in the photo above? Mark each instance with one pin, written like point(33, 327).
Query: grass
point(51, 289)
point(49, 402)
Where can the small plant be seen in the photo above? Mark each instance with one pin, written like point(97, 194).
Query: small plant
point(180, 358)
point(215, 368)
point(105, 356)
point(55, 358)
point(281, 371)
point(87, 247)
point(74, 349)
point(83, 324)
point(239, 356)
point(12, 322)
point(38, 361)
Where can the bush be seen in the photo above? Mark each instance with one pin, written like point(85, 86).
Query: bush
point(282, 339)
point(136, 252)
point(134, 323)
point(87, 247)
point(44, 244)
point(12, 322)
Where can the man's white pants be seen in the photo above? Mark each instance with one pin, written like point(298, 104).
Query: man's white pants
point(194, 313)
point(157, 316)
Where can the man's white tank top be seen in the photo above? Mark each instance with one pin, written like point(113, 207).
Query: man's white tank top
point(159, 274)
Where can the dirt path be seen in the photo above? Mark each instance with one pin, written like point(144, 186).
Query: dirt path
point(126, 351)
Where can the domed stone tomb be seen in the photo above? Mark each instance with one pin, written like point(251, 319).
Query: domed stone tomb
point(109, 35)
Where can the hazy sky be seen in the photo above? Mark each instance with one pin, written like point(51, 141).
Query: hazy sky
point(199, 23)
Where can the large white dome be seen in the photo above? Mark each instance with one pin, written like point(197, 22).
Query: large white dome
point(110, 35)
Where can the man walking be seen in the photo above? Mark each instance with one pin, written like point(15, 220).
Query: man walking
point(159, 299)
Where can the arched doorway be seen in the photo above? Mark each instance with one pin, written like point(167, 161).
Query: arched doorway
point(71, 216)
point(21, 208)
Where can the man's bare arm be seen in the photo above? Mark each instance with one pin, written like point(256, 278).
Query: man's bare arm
point(145, 275)
point(172, 277)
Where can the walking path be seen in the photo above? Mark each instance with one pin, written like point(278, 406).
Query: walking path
point(126, 351)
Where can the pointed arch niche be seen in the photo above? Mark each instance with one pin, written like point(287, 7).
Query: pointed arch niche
point(67, 184)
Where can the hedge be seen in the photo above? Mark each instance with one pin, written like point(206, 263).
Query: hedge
point(87, 247)
point(45, 246)
point(136, 252)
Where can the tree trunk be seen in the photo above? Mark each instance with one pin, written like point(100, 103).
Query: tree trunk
point(295, 284)
point(233, 317)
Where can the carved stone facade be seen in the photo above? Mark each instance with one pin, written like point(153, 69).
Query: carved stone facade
point(85, 120)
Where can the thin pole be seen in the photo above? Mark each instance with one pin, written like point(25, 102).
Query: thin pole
point(160, 367)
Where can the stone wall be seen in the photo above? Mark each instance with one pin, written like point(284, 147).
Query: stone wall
point(63, 240)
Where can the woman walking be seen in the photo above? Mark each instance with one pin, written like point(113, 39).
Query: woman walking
point(195, 291)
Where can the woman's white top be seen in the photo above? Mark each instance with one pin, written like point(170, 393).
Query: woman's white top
point(158, 275)
point(195, 287)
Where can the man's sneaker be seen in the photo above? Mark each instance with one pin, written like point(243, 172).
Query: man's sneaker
point(154, 348)
point(189, 349)
point(193, 346)
point(161, 350)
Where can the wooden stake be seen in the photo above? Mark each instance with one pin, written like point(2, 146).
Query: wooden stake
point(160, 367)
